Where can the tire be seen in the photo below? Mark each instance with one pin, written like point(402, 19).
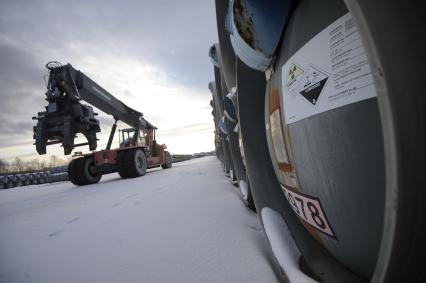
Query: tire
point(168, 163)
point(72, 176)
point(132, 164)
point(122, 164)
point(83, 174)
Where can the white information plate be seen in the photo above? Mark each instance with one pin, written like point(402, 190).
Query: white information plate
point(310, 210)
point(329, 71)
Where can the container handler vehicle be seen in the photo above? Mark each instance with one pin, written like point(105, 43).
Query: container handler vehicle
point(66, 116)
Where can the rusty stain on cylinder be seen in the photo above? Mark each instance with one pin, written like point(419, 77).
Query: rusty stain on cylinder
point(287, 171)
point(274, 99)
point(285, 167)
point(244, 24)
point(274, 105)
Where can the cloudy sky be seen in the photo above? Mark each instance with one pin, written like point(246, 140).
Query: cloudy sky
point(151, 54)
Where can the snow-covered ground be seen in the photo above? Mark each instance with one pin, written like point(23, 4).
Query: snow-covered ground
point(184, 224)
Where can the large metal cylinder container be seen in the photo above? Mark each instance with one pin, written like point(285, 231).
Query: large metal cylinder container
point(332, 123)
point(225, 66)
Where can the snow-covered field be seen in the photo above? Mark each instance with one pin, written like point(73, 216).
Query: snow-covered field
point(184, 224)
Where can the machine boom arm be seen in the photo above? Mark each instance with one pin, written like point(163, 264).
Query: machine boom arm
point(65, 116)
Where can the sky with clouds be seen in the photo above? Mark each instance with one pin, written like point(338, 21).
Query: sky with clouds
point(152, 55)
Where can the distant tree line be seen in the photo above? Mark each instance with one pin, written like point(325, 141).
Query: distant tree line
point(19, 165)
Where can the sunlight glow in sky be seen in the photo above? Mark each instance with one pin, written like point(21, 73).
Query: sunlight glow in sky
point(154, 60)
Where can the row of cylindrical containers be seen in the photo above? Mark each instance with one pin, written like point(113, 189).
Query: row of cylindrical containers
point(324, 134)
point(17, 180)
point(26, 179)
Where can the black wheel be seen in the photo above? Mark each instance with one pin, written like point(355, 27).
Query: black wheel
point(122, 164)
point(168, 163)
point(72, 177)
point(132, 164)
point(84, 173)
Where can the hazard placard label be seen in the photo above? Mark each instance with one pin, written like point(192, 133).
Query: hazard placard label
point(328, 72)
point(293, 73)
point(313, 85)
point(294, 78)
